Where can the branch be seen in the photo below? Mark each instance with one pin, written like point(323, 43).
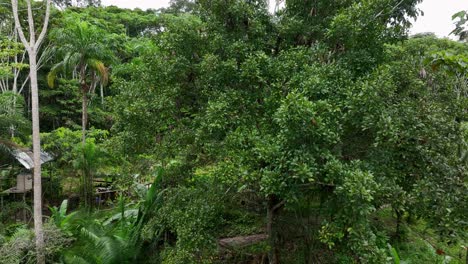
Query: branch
point(278, 206)
point(44, 27)
point(317, 183)
point(2, 86)
point(14, 6)
point(32, 32)
point(45, 56)
point(24, 84)
point(393, 9)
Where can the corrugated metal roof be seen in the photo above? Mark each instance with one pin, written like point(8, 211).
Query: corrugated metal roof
point(25, 157)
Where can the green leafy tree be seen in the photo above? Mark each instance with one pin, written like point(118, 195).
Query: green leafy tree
point(12, 119)
point(76, 3)
point(10, 65)
point(74, 159)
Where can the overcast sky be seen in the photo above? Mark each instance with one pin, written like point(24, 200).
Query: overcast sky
point(437, 13)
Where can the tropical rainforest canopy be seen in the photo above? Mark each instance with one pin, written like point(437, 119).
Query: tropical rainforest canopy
point(219, 132)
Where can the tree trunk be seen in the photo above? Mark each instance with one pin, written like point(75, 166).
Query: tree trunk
point(273, 206)
point(84, 109)
point(37, 159)
point(87, 184)
point(102, 93)
point(32, 46)
point(399, 215)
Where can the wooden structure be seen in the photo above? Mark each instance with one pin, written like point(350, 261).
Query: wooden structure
point(241, 241)
point(24, 184)
point(103, 190)
point(24, 180)
point(25, 157)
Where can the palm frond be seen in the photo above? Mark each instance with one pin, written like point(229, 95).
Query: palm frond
point(52, 75)
point(64, 207)
point(100, 69)
point(70, 61)
point(90, 235)
point(74, 259)
point(130, 213)
point(82, 44)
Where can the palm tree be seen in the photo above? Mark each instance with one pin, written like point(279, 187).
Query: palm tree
point(84, 53)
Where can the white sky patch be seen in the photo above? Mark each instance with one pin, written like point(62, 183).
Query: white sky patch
point(437, 13)
point(142, 4)
point(438, 16)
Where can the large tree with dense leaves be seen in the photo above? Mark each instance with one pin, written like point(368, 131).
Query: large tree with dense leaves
point(270, 105)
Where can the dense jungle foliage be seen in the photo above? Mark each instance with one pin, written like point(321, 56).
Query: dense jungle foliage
point(320, 133)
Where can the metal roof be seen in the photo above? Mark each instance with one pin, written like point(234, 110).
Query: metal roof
point(25, 157)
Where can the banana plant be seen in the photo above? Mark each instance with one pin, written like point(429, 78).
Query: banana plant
point(61, 219)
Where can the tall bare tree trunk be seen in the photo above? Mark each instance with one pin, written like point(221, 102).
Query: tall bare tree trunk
point(32, 46)
point(38, 230)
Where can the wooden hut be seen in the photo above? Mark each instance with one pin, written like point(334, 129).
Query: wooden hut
point(24, 179)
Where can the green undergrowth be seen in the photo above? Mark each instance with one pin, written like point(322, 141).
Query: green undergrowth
point(419, 244)
point(416, 244)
